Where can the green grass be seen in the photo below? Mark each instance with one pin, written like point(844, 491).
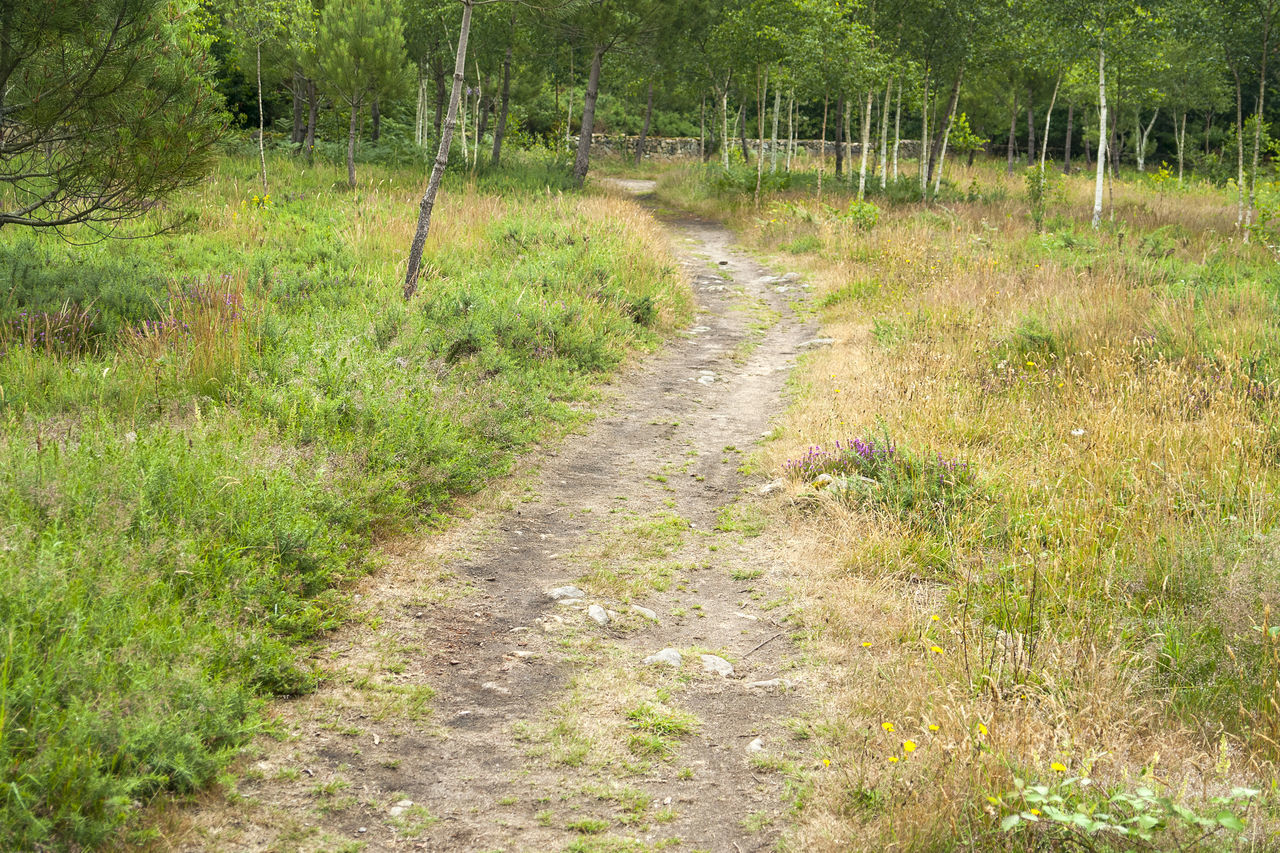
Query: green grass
point(183, 508)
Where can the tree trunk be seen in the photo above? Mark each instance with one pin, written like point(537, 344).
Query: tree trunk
point(582, 162)
point(313, 114)
point(884, 134)
point(295, 137)
point(1031, 127)
point(1048, 117)
point(1180, 136)
point(866, 145)
point(351, 144)
point(822, 147)
point(791, 128)
point(741, 127)
point(1087, 158)
point(1102, 134)
point(702, 129)
point(842, 119)
point(442, 159)
point(761, 97)
point(376, 112)
point(924, 140)
point(773, 145)
point(1239, 151)
point(897, 131)
point(1066, 148)
point(441, 100)
point(724, 125)
point(946, 133)
point(262, 124)
point(1143, 135)
point(504, 109)
point(420, 112)
point(1257, 125)
point(1013, 130)
point(648, 118)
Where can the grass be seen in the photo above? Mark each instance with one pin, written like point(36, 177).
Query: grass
point(1071, 558)
point(203, 434)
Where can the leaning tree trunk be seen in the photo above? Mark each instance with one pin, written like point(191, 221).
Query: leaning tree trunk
point(742, 132)
point(420, 112)
point(724, 125)
point(946, 133)
point(441, 99)
point(1102, 135)
point(1066, 148)
point(1257, 126)
point(582, 162)
point(351, 143)
point(1048, 117)
point(648, 119)
point(866, 145)
point(1143, 135)
point(442, 159)
point(822, 146)
point(500, 131)
point(262, 125)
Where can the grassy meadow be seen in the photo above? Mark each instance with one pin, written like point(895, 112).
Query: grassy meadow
point(203, 434)
point(1035, 482)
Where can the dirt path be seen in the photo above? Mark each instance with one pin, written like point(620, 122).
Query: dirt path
point(469, 710)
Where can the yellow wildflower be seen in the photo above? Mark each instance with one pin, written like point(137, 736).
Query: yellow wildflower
point(933, 727)
point(1036, 812)
point(982, 730)
point(1058, 767)
point(888, 727)
point(908, 746)
point(866, 645)
point(937, 650)
point(893, 759)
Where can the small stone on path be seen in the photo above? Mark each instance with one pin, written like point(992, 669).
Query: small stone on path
point(598, 615)
point(770, 488)
point(494, 687)
point(645, 612)
point(817, 342)
point(670, 657)
point(718, 665)
point(773, 684)
point(565, 592)
point(756, 745)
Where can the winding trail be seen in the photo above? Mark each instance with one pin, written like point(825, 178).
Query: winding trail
point(545, 729)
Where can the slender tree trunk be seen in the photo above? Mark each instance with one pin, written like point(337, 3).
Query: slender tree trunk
point(724, 125)
point(924, 140)
point(1087, 158)
point(1031, 128)
point(295, 137)
point(1102, 135)
point(313, 114)
point(1013, 130)
point(702, 129)
point(442, 159)
point(648, 117)
point(897, 131)
point(761, 98)
point(1257, 125)
point(351, 144)
point(866, 146)
point(842, 121)
point(946, 133)
point(376, 113)
point(1143, 135)
point(568, 115)
point(500, 131)
point(1208, 125)
point(741, 128)
point(822, 147)
point(583, 161)
point(262, 124)
point(440, 100)
point(1066, 148)
point(773, 145)
point(1048, 117)
point(420, 112)
point(791, 128)
point(884, 134)
point(1239, 152)
point(482, 117)
point(1180, 135)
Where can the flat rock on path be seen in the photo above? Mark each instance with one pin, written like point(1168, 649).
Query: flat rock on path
point(495, 697)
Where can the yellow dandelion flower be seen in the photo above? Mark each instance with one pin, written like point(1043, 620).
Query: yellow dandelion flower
point(935, 617)
point(933, 727)
point(1058, 767)
point(982, 730)
point(1031, 364)
point(937, 650)
point(826, 762)
point(893, 759)
point(866, 645)
point(908, 746)
point(1036, 812)
point(888, 727)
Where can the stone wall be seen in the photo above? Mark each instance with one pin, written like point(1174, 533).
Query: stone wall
point(683, 147)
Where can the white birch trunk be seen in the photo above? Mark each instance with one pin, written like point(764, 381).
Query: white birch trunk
point(773, 150)
point(1102, 135)
point(1048, 116)
point(866, 144)
point(884, 134)
point(897, 131)
point(1143, 136)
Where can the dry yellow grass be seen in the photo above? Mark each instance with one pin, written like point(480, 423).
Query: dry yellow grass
point(1098, 603)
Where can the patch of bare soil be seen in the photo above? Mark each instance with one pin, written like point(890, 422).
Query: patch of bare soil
point(468, 710)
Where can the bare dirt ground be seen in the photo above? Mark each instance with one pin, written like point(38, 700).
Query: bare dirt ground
point(468, 710)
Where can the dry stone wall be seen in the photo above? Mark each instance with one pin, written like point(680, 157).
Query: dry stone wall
point(684, 147)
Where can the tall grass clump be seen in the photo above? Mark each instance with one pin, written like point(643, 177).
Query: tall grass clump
point(200, 446)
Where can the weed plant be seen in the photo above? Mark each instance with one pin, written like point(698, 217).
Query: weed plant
point(203, 433)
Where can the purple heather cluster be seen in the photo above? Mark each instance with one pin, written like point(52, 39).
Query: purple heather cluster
point(846, 456)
